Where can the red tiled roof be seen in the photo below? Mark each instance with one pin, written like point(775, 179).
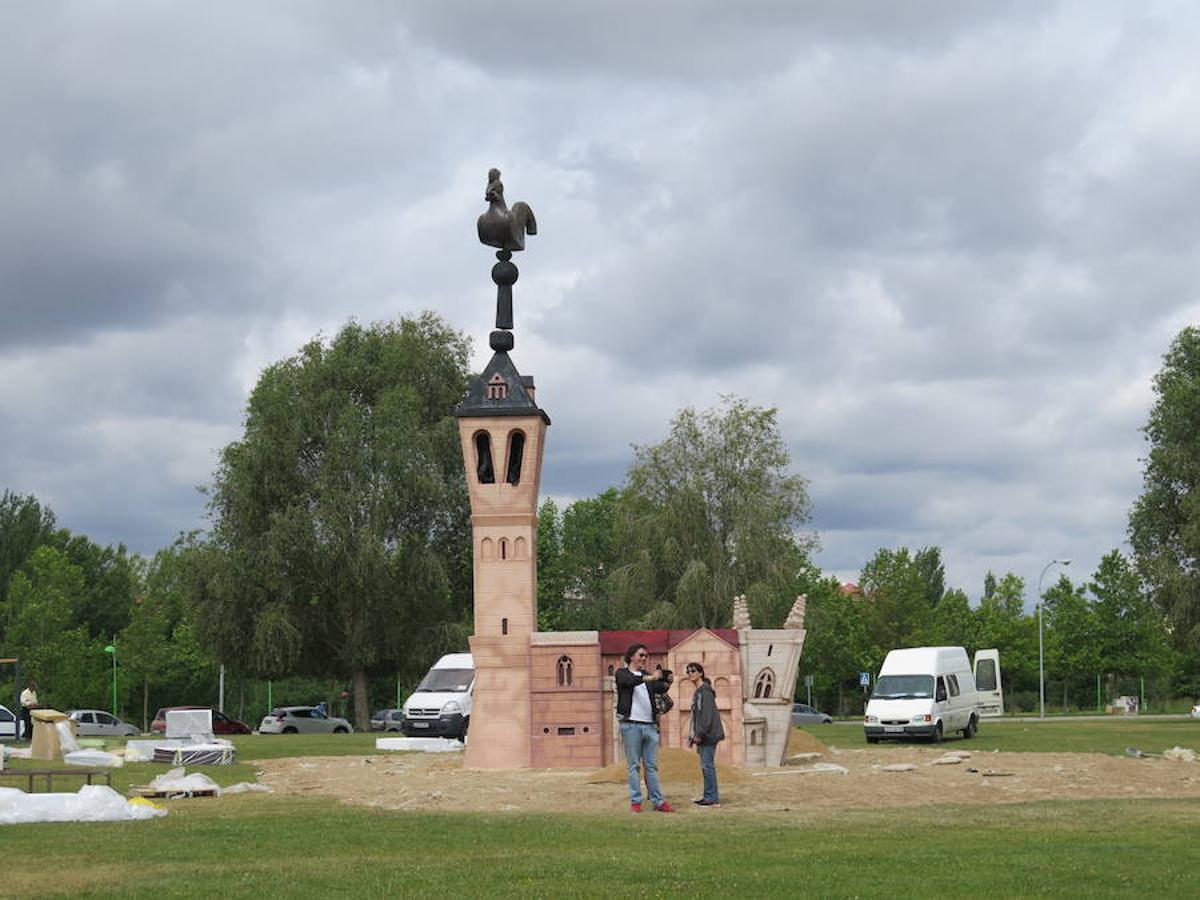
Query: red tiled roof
point(615, 643)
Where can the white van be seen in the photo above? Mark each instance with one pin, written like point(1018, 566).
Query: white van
point(441, 704)
point(924, 692)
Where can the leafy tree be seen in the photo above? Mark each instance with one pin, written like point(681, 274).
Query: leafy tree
point(68, 664)
point(1164, 524)
point(589, 558)
point(24, 526)
point(551, 585)
point(897, 601)
point(1131, 637)
point(709, 513)
point(952, 623)
point(929, 564)
point(837, 646)
point(340, 516)
point(110, 581)
point(1003, 624)
point(1072, 650)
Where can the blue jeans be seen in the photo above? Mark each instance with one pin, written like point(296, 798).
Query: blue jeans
point(708, 769)
point(641, 747)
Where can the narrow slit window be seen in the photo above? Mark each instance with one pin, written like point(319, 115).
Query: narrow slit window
point(504, 626)
point(503, 548)
point(566, 730)
point(483, 458)
point(516, 455)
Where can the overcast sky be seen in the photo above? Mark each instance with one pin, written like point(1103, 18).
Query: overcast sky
point(949, 241)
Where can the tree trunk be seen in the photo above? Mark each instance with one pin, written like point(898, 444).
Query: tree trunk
point(145, 704)
point(362, 711)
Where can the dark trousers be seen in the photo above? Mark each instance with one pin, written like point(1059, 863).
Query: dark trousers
point(26, 724)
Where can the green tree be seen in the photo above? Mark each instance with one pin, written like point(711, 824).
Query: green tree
point(709, 513)
point(836, 647)
point(341, 515)
point(1131, 634)
point(24, 526)
point(40, 612)
point(1072, 648)
point(589, 558)
point(952, 623)
point(897, 601)
point(1003, 624)
point(933, 573)
point(1164, 524)
point(551, 586)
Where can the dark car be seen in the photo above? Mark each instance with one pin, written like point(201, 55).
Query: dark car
point(222, 724)
point(803, 714)
point(386, 719)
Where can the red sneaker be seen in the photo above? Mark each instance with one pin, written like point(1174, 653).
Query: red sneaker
point(664, 807)
point(635, 807)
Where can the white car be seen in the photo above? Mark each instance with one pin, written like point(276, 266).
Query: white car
point(302, 720)
point(98, 723)
point(1196, 711)
point(9, 723)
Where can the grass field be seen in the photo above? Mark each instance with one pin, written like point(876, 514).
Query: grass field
point(285, 846)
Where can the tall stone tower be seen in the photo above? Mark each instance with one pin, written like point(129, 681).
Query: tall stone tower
point(503, 432)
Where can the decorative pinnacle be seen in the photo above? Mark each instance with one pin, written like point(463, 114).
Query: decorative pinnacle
point(505, 229)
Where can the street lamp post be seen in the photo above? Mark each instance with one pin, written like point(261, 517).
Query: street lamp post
point(1041, 652)
point(112, 648)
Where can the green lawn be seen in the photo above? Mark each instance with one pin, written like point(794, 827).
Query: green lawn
point(1050, 736)
point(284, 846)
point(274, 846)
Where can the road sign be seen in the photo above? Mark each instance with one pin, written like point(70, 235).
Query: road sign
point(808, 681)
point(864, 679)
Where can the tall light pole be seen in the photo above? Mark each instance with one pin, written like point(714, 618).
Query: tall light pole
point(112, 648)
point(1041, 653)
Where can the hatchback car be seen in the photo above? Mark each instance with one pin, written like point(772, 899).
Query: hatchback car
point(9, 724)
point(222, 724)
point(803, 714)
point(386, 719)
point(98, 723)
point(302, 720)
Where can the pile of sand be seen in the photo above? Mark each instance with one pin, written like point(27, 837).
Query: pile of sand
point(674, 767)
point(803, 742)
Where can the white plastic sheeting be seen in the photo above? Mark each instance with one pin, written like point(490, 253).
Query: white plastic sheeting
point(144, 751)
point(186, 723)
point(93, 803)
point(421, 745)
point(93, 759)
point(66, 736)
point(177, 781)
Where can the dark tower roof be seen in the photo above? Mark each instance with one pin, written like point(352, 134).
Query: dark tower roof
point(500, 390)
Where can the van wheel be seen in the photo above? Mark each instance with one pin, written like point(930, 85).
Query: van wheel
point(936, 737)
point(969, 731)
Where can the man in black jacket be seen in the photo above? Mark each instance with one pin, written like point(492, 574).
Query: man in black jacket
point(639, 725)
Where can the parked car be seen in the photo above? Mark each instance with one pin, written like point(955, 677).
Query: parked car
point(803, 714)
point(98, 723)
point(386, 719)
point(9, 724)
point(302, 720)
point(1195, 711)
point(222, 724)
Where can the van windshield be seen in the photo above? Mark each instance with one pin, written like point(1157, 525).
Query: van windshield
point(447, 680)
point(903, 687)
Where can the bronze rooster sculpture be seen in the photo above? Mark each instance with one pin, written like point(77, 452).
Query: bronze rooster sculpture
point(500, 226)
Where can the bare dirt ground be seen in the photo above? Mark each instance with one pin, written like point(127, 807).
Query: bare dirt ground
point(438, 782)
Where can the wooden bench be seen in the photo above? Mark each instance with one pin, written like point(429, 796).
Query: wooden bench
point(50, 774)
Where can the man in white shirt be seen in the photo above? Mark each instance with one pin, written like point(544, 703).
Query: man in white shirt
point(29, 701)
point(639, 725)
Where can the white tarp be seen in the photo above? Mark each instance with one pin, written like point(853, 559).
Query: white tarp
point(186, 723)
point(93, 803)
point(177, 781)
point(93, 759)
point(421, 745)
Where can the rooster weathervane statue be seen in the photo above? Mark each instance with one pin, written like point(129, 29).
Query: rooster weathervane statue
point(504, 229)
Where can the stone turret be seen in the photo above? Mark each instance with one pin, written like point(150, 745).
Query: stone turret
point(795, 618)
point(741, 613)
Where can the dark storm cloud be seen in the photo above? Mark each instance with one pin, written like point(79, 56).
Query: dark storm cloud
point(948, 241)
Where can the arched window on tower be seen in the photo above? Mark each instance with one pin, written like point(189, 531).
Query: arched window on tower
point(764, 684)
point(483, 458)
point(564, 671)
point(516, 454)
